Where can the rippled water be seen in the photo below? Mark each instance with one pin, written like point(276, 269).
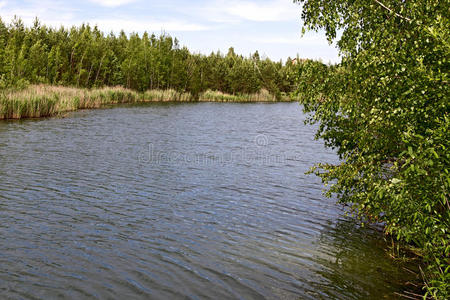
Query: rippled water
point(178, 201)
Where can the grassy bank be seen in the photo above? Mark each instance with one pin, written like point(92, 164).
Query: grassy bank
point(262, 96)
point(43, 100)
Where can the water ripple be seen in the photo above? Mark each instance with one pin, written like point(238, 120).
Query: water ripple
point(178, 201)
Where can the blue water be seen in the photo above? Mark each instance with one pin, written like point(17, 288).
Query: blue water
point(176, 201)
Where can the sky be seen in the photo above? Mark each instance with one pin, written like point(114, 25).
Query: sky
point(273, 27)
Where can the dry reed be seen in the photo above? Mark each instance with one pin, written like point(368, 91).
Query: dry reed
point(44, 100)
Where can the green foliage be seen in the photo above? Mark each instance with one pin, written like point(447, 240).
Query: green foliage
point(385, 109)
point(86, 58)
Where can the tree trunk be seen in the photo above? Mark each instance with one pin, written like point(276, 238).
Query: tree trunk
point(79, 72)
point(99, 69)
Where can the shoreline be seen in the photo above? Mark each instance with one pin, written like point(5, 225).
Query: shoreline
point(40, 101)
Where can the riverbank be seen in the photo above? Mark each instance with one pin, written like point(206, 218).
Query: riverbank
point(38, 101)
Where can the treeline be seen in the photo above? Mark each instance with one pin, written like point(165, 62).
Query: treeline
point(85, 57)
point(385, 109)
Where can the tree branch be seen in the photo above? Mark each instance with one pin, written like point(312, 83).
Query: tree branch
point(392, 12)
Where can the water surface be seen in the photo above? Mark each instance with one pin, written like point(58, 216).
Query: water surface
point(179, 201)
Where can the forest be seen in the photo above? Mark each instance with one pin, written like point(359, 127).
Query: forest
point(84, 57)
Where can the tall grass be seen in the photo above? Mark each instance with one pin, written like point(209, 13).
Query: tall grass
point(262, 96)
point(166, 96)
point(44, 100)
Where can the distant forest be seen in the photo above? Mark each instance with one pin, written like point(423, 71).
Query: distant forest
point(86, 57)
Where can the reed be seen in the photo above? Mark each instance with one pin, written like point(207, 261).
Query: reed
point(262, 96)
point(45, 100)
point(166, 96)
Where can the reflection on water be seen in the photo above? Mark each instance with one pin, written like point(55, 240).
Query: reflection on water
point(178, 201)
point(355, 261)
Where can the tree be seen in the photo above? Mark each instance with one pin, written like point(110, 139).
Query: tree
point(38, 62)
point(84, 57)
point(385, 109)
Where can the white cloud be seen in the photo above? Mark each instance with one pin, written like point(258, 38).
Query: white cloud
point(293, 40)
point(129, 25)
point(2, 4)
point(112, 3)
point(233, 11)
point(56, 13)
point(266, 11)
point(108, 25)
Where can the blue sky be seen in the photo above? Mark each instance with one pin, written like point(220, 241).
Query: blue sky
point(270, 26)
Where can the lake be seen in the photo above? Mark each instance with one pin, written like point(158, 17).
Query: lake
point(179, 201)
